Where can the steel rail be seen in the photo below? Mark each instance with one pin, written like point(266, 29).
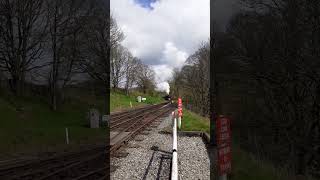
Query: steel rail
point(137, 120)
point(136, 131)
point(71, 166)
point(44, 162)
point(133, 113)
point(121, 115)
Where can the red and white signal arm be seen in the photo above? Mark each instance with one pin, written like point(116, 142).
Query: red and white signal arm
point(179, 107)
point(179, 102)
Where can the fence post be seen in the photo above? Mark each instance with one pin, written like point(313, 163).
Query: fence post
point(67, 136)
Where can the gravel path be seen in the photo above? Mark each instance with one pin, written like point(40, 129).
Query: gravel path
point(151, 158)
point(193, 159)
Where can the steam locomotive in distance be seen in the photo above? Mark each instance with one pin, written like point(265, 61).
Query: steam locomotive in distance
point(167, 98)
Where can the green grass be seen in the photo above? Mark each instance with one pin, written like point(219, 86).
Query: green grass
point(193, 122)
point(120, 101)
point(39, 129)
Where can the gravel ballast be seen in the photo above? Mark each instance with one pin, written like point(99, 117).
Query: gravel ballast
point(151, 158)
point(193, 159)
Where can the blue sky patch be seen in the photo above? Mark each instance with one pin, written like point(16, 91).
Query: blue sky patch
point(145, 3)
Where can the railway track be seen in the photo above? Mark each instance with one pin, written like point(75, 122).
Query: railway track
point(59, 166)
point(119, 116)
point(122, 119)
point(123, 130)
point(88, 164)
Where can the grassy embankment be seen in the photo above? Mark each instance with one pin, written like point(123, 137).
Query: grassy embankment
point(29, 125)
point(119, 101)
point(244, 165)
point(193, 122)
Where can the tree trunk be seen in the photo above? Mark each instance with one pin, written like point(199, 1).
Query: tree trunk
point(55, 64)
point(107, 100)
point(17, 84)
point(301, 162)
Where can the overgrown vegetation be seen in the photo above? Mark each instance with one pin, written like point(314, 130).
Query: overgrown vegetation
point(266, 67)
point(245, 166)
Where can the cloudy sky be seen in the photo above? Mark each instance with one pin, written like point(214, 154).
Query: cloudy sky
point(163, 33)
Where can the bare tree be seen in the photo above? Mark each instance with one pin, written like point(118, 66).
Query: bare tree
point(96, 53)
point(146, 78)
point(117, 53)
point(22, 31)
point(118, 59)
point(175, 83)
point(192, 81)
point(131, 72)
point(63, 18)
point(116, 35)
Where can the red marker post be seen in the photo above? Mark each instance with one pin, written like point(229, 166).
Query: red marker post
point(179, 112)
point(223, 139)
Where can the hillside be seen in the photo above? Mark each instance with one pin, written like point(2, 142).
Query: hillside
point(29, 122)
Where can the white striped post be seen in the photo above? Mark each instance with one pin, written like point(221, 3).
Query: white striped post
point(174, 170)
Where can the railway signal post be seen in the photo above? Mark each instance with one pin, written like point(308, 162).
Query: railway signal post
point(179, 112)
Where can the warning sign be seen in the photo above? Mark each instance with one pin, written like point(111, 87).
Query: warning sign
point(223, 137)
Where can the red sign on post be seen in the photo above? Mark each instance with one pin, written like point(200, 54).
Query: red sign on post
point(223, 138)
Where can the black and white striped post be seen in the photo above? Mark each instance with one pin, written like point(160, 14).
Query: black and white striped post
point(174, 170)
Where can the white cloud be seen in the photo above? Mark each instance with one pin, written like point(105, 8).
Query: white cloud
point(165, 36)
point(172, 56)
point(163, 72)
